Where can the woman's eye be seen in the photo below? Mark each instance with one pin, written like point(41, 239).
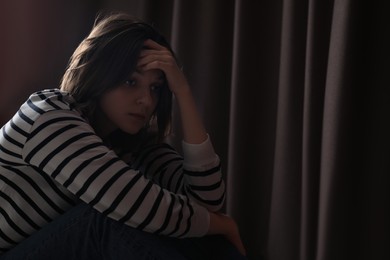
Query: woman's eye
point(156, 88)
point(130, 82)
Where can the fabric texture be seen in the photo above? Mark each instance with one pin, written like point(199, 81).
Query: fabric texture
point(154, 193)
point(83, 233)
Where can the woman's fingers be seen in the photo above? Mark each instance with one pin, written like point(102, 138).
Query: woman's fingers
point(159, 57)
point(145, 53)
point(153, 45)
point(155, 57)
point(152, 59)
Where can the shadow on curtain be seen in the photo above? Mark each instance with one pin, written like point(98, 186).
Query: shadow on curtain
point(291, 91)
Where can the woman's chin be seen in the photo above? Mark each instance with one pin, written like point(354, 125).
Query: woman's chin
point(132, 130)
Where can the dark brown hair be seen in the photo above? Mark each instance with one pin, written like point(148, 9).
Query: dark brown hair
point(105, 58)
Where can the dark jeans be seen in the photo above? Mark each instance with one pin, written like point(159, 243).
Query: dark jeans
point(84, 233)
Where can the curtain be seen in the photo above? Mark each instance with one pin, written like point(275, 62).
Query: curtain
point(293, 94)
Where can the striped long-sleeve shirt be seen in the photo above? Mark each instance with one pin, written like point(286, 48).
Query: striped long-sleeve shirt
point(50, 157)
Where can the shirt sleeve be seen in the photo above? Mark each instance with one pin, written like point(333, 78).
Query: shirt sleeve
point(62, 145)
point(197, 174)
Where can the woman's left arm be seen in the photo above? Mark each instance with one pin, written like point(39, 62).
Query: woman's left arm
point(198, 176)
point(200, 173)
point(159, 57)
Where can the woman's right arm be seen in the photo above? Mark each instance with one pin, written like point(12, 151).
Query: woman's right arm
point(65, 147)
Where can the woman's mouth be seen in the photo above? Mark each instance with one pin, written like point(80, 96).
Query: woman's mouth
point(137, 116)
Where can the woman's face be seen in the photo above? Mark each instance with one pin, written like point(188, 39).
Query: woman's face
point(130, 106)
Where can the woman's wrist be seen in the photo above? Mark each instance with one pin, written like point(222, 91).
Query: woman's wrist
point(220, 224)
point(192, 125)
point(182, 92)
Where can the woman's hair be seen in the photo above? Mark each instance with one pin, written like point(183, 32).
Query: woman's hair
point(104, 60)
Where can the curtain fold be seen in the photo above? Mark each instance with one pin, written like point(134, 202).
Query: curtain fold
point(316, 58)
point(284, 225)
point(332, 200)
point(254, 91)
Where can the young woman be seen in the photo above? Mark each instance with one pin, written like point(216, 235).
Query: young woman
point(85, 172)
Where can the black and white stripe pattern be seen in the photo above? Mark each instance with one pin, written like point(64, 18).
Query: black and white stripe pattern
point(50, 157)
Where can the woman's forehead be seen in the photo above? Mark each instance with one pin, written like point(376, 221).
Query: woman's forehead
point(154, 73)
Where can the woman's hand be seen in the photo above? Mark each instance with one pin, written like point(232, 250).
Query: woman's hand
point(225, 225)
point(156, 56)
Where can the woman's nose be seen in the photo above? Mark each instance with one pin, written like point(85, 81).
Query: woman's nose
point(145, 96)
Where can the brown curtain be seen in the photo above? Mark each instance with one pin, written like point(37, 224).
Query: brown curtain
point(293, 94)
